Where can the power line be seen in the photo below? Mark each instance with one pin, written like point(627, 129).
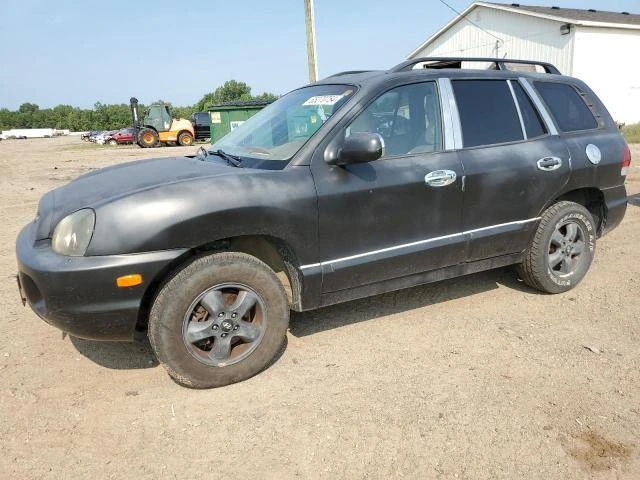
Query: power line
point(470, 21)
point(504, 42)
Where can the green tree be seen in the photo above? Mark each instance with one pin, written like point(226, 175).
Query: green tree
point(6, 119)
point(231, 91)
point(183, 112)
point(111, 117)
point(266, 96)
point(28, 108)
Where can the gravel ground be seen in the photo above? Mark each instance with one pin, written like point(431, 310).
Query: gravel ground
point(473, 378)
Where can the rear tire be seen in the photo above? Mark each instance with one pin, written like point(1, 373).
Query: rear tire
point(562, 249)
point(148, 138)
point(185, 139)
point(220, 320)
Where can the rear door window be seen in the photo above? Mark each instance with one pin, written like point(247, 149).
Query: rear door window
point(533, 123)
point(567, 106)
point(488, 114)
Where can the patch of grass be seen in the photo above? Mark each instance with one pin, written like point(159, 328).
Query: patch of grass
point(632, 133)
point(83, 146)
point(94, 146)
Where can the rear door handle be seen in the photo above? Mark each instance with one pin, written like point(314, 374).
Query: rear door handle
point(548, 164)
point(440, 178)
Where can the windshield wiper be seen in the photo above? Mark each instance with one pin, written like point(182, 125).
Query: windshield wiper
point(231, 159)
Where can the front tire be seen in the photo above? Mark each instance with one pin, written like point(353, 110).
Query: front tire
point(112, 142)
point(220, 320)
point(562, 249)
point(148, 138)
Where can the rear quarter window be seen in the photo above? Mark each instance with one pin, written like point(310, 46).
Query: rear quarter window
point(567, 106)
point(530, 116)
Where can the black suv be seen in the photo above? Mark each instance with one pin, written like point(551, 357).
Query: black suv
point(359, 184)
point(201, 125)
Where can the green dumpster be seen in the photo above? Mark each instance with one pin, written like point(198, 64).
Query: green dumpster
point(225, 117)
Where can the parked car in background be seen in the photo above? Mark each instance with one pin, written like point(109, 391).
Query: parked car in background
point(94, 134)
point(104, 137)
point(86, 136)
point(201, 125)
point(122, 136)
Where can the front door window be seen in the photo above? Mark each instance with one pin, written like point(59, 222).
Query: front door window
point(407, 118)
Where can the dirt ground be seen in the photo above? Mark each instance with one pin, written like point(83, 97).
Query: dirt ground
point(473, 378)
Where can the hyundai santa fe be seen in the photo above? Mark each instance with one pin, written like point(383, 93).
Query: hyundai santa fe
point(359, 184)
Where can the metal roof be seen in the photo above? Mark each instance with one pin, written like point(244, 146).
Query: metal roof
point(587, 18)
point(573, 14)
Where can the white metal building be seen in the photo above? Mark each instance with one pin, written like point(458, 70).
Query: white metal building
point(601, 48)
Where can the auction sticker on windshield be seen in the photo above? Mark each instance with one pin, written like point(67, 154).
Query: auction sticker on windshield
point(323, 100)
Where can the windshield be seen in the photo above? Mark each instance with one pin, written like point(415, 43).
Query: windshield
point(279, 131)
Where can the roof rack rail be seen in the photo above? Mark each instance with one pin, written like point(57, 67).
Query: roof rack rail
point(450, 62)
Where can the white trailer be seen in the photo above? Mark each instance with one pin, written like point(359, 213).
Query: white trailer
point(28, 133)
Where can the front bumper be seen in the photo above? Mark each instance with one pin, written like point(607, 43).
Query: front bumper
point(79, 294)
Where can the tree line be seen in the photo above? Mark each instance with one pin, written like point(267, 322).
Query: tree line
point(114, 116)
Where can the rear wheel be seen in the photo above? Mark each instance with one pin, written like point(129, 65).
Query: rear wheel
point(147, 138)
point(562, 249)
point(185, 139)
point(220, 320)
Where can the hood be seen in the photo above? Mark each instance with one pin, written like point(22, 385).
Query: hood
point(99, 186)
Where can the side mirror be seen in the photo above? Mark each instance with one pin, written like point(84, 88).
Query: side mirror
point(358, 147)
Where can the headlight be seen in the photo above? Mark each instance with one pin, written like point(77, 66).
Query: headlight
point(73, 233)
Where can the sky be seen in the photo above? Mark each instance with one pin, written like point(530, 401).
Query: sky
point(79, 53)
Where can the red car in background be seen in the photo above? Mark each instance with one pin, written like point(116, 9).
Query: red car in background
point(124, 135)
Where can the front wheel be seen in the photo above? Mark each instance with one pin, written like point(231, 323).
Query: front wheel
point(220, 320)
point(112, 142)
point(148, 138)
point(562, 249)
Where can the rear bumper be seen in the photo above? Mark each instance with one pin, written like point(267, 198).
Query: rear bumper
point(79, 294)
point(615, 200)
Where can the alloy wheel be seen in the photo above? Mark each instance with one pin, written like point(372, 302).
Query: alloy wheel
point(224, 324)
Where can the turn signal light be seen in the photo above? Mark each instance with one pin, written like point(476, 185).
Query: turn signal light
point(129, 280)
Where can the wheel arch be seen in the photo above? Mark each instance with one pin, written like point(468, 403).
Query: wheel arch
point(592, 199)
point(275, 252)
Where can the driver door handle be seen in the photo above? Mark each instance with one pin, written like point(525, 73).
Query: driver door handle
point(440, 178)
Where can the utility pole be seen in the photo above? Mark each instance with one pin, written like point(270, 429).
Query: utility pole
point(311, 40)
